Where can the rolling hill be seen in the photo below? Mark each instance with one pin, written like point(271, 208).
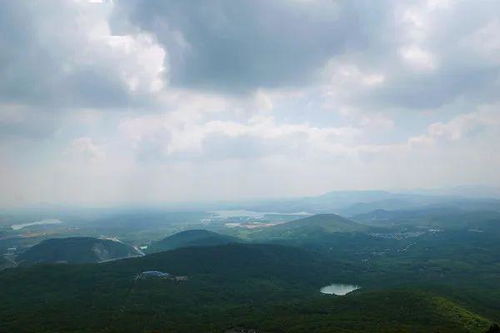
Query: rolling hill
point(191, 238)
point(106, 297)
point(311, 227)
point(269, 288)
point(76, 250)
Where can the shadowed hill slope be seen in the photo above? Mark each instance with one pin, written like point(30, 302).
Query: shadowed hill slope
point(191, 238)
point(76, 250)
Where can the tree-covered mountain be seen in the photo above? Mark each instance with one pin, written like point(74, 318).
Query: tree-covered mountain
point(191, 238)
point(269, 288)
point(399, 310)
point(311, 227)
point(76, 250)
point(108, 297)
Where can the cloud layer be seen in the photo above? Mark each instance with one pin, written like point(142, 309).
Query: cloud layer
point(152, 101)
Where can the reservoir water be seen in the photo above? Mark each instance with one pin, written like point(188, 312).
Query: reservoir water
point(338, 289)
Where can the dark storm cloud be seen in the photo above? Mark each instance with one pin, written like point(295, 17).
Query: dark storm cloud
point(236, 46)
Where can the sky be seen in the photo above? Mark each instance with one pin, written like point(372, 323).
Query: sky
point(149, 101)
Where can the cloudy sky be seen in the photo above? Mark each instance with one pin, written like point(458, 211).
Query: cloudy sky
point(150, 101)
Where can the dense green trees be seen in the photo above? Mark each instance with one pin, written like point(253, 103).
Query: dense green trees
point(268, 287)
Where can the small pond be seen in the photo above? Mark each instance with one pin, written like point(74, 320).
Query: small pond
point(338, 289)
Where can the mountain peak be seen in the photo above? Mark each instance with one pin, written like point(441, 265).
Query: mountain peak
point(189, 238)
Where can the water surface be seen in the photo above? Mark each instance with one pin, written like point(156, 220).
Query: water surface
point(338, 289)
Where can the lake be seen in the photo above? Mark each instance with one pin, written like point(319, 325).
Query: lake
point(338, 289)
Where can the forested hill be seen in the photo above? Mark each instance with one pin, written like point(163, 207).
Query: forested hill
point(191, 238)
point(269, 288)
point(76, 250)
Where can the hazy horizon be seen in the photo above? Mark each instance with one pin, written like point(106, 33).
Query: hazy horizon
point(146, 102)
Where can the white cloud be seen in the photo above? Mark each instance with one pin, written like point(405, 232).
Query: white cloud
point(145, 70)
point(485, 41)
point(485, 119)
point(129, 102)
point(68, 56)
point(86, 149)
point(418, 57)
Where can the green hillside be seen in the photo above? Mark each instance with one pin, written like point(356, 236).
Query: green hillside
point(267, 287)
point(98, 297)
point(379, 311)
point(76, 250)
point(191, 238)
point(313, 226)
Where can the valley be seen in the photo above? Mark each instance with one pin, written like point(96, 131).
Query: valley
point(330, 271)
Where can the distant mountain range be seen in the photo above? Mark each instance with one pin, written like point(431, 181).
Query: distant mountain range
point(449, 218)
point(350, 203)
point(345, 203)
point(76, 250)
